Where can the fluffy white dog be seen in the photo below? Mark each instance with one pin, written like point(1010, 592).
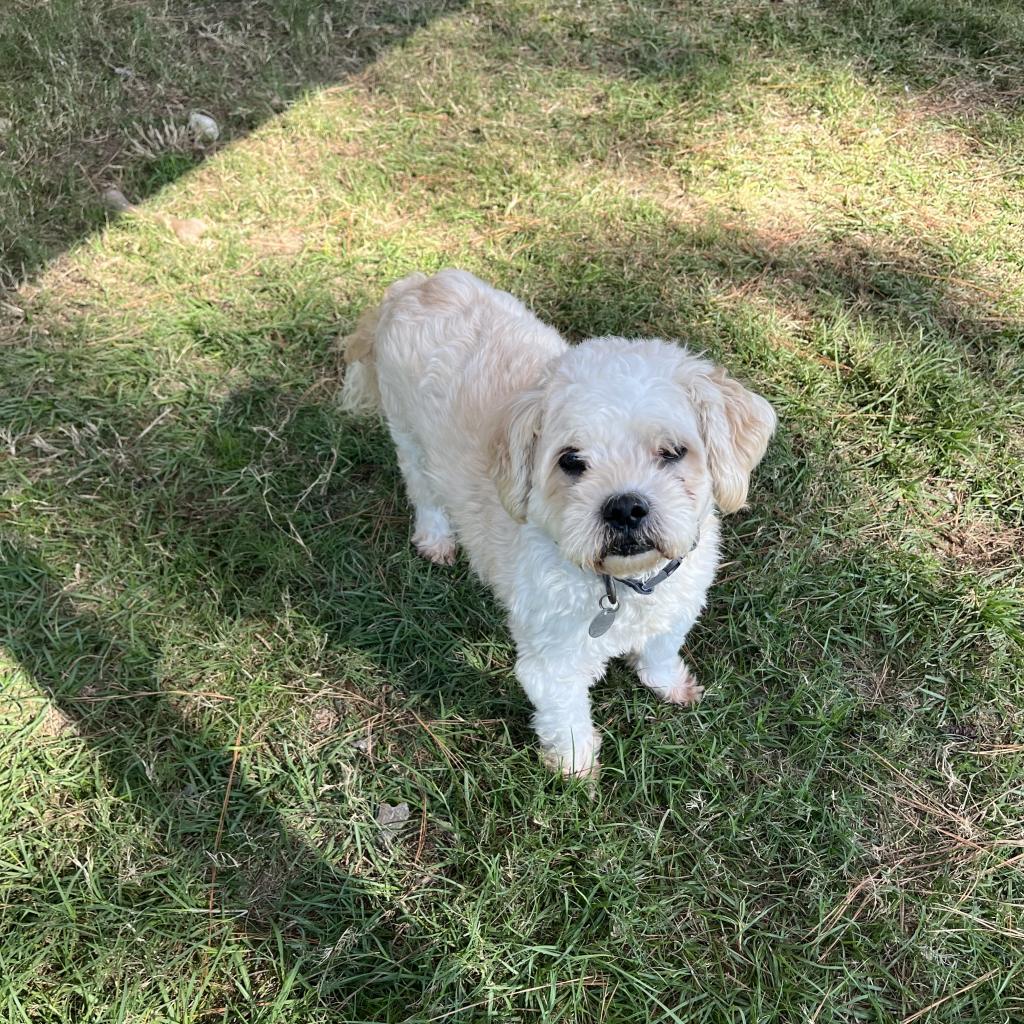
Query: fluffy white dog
point(582, 481)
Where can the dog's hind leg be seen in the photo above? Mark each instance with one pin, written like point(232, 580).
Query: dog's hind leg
point(432, 536)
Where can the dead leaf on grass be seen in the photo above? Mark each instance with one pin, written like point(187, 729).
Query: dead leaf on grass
point(391, 818)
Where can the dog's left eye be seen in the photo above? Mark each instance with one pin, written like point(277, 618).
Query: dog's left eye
point(673, 454)
point(571, 463)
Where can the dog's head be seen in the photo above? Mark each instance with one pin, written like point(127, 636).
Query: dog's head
point(621, 449)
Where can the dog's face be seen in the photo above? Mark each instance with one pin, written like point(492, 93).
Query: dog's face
point(620, 453)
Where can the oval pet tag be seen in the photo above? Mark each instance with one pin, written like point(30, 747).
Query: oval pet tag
point(603, 620)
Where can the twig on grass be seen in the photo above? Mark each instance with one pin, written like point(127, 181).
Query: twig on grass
point(952, 995)
point(223, 815)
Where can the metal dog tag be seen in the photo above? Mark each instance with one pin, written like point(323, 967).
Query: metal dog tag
point(602, 621)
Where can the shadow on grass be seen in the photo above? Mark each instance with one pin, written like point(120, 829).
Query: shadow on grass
point(193, 826)
point(896, 41)
point(205, 824)
point(210, 829)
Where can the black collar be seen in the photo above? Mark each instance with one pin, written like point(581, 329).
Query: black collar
point(643, 586)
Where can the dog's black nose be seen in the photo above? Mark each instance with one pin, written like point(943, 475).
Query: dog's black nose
point(624, 512)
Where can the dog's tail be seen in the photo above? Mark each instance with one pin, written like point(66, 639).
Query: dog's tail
point(360, 392)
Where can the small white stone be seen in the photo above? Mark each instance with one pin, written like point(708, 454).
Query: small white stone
point(115, 200)
point(203, 127)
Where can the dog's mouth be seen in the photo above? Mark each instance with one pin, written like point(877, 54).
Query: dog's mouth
point(629, 554)
point(628, 544)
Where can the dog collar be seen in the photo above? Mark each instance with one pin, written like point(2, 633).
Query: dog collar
point(609, 602)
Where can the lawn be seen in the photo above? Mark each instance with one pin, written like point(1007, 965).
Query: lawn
point(219, 656)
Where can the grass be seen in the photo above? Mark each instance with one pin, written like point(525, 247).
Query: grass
point(219, 655)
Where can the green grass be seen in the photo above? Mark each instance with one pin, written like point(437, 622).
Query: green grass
point(218, 654)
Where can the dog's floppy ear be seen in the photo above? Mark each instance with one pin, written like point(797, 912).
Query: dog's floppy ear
point(736, 424)
point(512, 450)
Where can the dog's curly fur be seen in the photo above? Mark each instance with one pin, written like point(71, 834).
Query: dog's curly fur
point(485, 404)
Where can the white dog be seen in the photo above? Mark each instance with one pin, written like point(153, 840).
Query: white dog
point(581, 481)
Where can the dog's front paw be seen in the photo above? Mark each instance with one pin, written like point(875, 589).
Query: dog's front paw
point(679, 687)
point(578, 762)
point(439, 550)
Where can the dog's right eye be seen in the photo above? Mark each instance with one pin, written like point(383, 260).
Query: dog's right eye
point(571, 463)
